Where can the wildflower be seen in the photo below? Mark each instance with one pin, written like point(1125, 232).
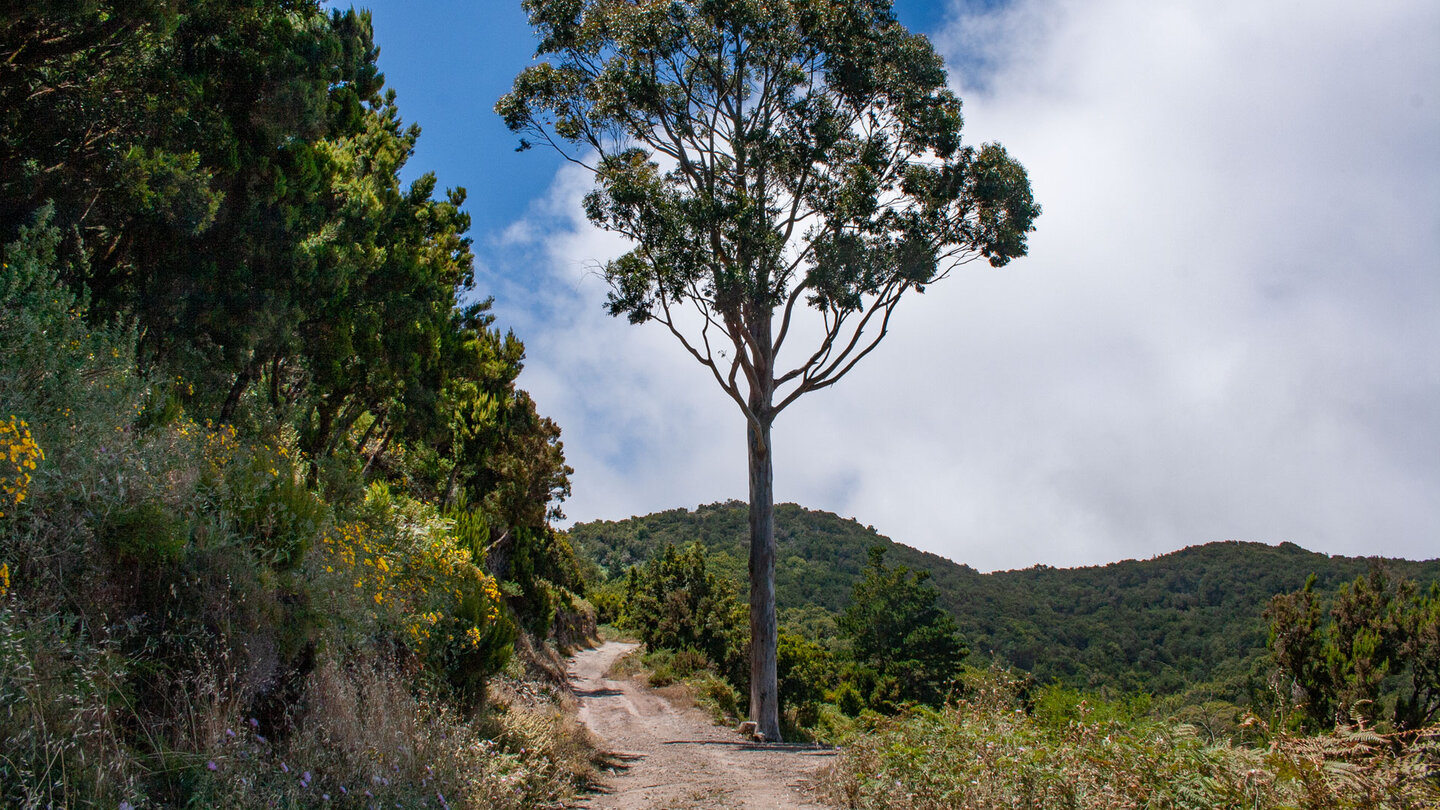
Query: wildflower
point(285, 768)
point(212, 766)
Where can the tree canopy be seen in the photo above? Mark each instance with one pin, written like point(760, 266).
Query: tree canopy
point(765, 155)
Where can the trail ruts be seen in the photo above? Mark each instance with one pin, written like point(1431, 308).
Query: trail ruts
point(664, 757)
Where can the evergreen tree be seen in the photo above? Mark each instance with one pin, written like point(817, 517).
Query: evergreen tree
point(897, 628)
point(676, 602)
point(1376, 658)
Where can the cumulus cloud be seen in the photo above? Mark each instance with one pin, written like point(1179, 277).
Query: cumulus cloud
point(1226, 328)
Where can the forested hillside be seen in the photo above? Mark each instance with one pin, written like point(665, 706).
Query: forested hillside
point(1162, 625)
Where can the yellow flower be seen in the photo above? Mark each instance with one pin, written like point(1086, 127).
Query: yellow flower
point(19, 448)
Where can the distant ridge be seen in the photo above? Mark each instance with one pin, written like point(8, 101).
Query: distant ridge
point(1163, 625)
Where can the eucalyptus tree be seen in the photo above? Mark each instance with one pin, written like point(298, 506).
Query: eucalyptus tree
point(781, 167)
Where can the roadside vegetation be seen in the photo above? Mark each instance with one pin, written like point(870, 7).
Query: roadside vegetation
point(994, 748)
point(886, 680)
point(274, 515)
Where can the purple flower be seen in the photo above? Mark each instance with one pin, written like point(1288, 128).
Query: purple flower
point(254, 723)
point(284, 767)
point(212, 766)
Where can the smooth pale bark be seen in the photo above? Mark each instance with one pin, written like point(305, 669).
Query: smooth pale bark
point(764, 686)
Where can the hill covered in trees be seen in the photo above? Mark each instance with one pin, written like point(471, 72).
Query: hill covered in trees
point(1164, 625)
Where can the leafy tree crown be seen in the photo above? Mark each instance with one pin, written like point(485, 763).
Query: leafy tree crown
point(761, 153)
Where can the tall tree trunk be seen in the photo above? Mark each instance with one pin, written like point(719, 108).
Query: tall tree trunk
point(764, 687)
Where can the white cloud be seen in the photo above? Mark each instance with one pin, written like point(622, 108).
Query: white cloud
point(1226, 329)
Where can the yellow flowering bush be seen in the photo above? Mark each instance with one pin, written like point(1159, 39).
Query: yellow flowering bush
point(19, 455)
point(401, 571)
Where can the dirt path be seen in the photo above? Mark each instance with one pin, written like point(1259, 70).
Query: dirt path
point(670, 758)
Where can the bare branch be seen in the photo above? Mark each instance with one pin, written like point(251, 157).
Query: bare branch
point(831, 376)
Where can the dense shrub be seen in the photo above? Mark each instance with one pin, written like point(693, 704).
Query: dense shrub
point(675, 602)
point(898, 630)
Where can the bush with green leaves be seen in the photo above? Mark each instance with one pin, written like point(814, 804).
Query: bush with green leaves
point(1375, 655)
point(183, 618)
point(675, 602)
point(897, 629)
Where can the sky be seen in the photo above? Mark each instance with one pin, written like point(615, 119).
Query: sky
point(1228, 326)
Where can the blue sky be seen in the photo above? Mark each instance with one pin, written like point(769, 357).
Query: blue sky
point(450, 60)
point(1227, 328)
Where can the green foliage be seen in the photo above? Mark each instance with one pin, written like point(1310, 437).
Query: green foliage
point(147, 533)
point(187, 605)
point(1057, 706)
point(902, 200)
point(227, 178)
point(1375, 659)
point(896, 627)
point(1176, 624)
point(806, 670)
point(675, 602)
point(609, 601)
point(984, 752)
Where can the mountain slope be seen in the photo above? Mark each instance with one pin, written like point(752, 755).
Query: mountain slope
point(1161, 625)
